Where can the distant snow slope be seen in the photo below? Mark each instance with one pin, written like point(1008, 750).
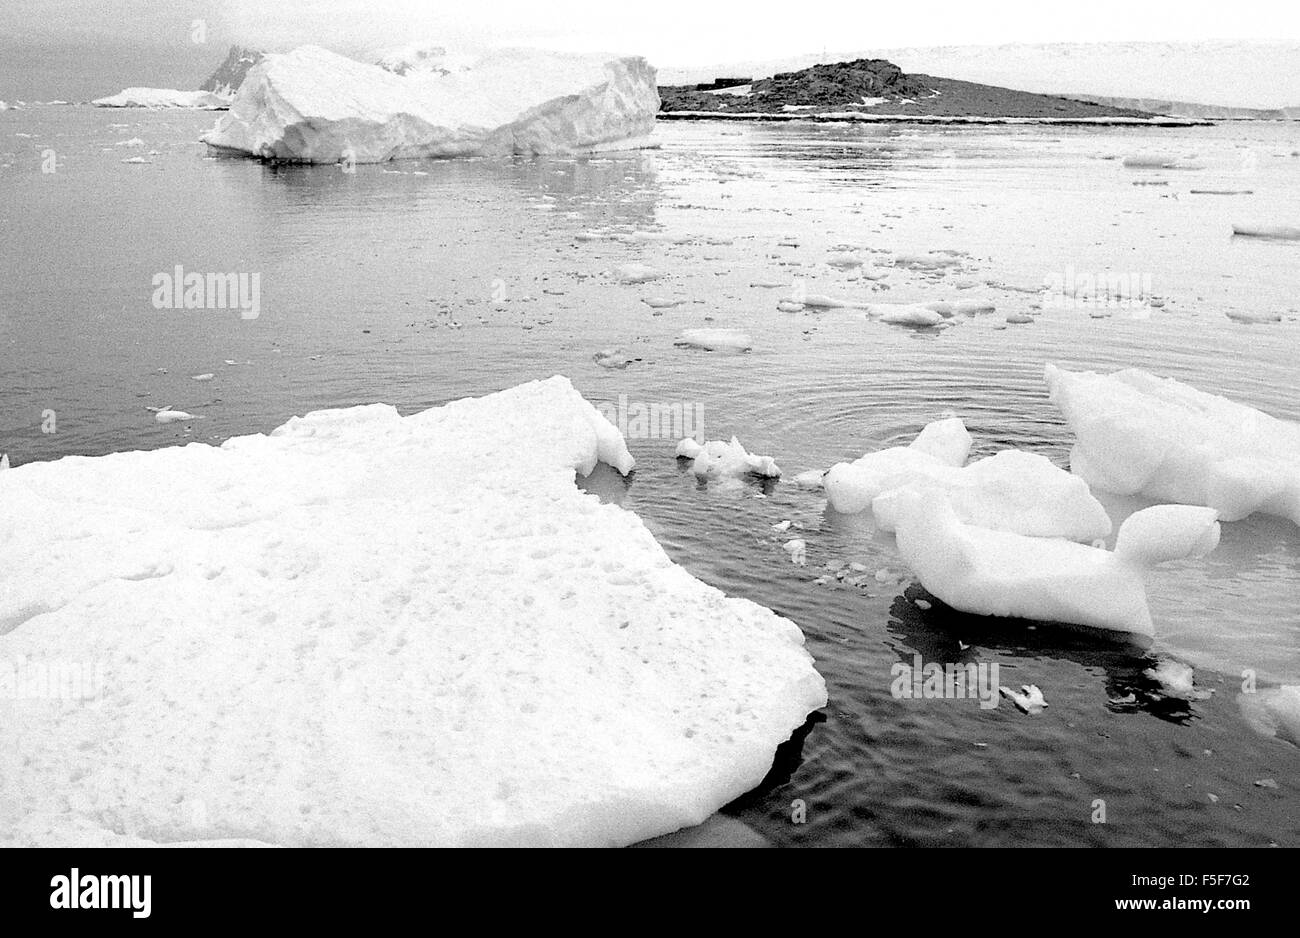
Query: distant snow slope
point(163, 97)
point(1236, 74)
point(315, 106)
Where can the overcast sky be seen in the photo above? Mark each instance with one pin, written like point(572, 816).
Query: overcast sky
point(670, 32)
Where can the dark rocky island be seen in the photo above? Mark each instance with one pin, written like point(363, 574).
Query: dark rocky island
point(876, 89)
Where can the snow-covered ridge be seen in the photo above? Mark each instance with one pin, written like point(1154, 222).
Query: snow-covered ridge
point(164, 97)
point(315, 106)
point(372, 629)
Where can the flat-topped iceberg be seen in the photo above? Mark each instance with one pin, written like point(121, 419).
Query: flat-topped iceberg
point(313, 106)
point(164, 97)
point(365, 628)
point(998, 573)
point(1138, 434)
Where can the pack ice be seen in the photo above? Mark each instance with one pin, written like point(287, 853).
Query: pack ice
point(1139, 434)
point(313, 106)
point(365, 628)
point(1000, 573)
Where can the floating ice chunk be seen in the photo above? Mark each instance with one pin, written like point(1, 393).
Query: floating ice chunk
point(314, 106)
point(137, 160)
point(661, 302)
point(133, 142)
point(716, 340)
point(168, 415)
point(1253, 316)
point(1279, 232)
point(636, 273)
point(1019, 319)
point(1138, 434)
point(1175, 679)
point(905, 314)
point(850, 487)
point(1167, 532)
point(790, 306)
point(798, 551)
point(844, 260)
point(1030, 699)
point(164, 97)
point(1273, 712)
point(962, 307)
point(997, 573)
point(4, 460)
point(822, 301)
point(717, 459)
point(1150, 161)
point(1011, 491)
point(206, 376)
point(614, 358)
point(476, 653)
point(812, 479)
point(925, 261)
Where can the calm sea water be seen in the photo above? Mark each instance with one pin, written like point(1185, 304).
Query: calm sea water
point(417, 283)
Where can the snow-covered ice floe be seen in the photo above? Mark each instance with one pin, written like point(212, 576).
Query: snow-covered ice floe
point(1139, 434)
point(314, 106)
point(998, 573)
point(717, 459)
point(365, 628)
point(164, 97)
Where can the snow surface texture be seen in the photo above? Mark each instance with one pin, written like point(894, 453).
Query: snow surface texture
point(1138, 434)
point(313, 106)
point(164, 97)
point(998, 573)
point(370, 629)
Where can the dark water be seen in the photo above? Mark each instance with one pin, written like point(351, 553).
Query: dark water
point(419, 283)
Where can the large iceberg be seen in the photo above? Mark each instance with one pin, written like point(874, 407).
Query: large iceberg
point(313, 106)
point(998, 573)
point(1138, 434)
point(372, 629)
point(164, 97)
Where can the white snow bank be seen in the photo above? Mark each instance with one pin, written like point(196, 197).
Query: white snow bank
point(164, 97)
point(997, 573)
point(314, 106)
point(1015, 491)
point(371, 629)
point(1138, 434)
point(720, 460)
point(850, 487)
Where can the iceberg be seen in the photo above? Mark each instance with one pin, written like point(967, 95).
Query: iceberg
point(313, 106)
point(1139, 434)
point(370, 629)
point(998, 573)
point(164, 97)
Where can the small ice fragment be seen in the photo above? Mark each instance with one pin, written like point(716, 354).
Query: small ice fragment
point(1175, 680)
point(636, 273)
point(206, 376)
point(798, 551)
point(1030, 700)
point(782, 526)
